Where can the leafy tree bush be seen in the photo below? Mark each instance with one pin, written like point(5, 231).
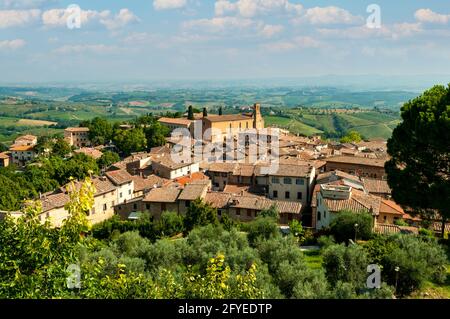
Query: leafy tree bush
point(418, 259)
point(351, 137)
point(130, 141)
point(107, 159)
point(400, 222)
point(199, 213)
point(345, 264)
point(170, 224)
point(325, 241)
point(100, 130)
point(426, 232)
point(261, 228)
point(34, 256)
point(107, 228)
point(343, 226)
point(287, 266)
point(296, 229)
point(272, 212)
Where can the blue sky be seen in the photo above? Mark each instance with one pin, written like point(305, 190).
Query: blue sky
point(136, 40)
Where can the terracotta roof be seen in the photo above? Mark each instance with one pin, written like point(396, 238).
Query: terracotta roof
point(167, 162)
point(197, 176)
point(228, 117)
point(102, 185)
point(222, 167)
point(293, 170)
point(4, 155)
point(244, 170)
point(357, 160)
point(391, 207)
point(288, 207)
point(26, 138)
point(90, 151)
point(193, 191)
point(175, 121)
point(358, 201)
point(119, 177)
point(163, 195)
point(21, 148)
point(222, 200)
point(53, 201)
point(143, 184)
point(376, 186)
point(217, 200)
point(77, 129)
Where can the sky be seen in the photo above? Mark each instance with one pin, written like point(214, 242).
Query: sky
point(139, 40)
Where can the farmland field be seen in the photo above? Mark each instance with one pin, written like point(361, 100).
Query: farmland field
point(370, 124)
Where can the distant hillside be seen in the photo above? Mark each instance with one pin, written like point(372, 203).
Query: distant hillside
point(334, 124)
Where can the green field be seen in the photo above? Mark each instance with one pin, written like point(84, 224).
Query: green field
point(292, 125)
point(370, 124)
point(313, 258)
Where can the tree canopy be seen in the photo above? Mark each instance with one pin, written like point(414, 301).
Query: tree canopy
point(419, 168)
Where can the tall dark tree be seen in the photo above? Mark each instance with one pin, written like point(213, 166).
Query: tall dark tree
point(205, 112)
point(190, 113)
point(418, 171)
point(220, 111)
point(3, 147)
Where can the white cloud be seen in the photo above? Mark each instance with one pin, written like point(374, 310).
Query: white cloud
point(88, 48)
point(123, 18)
point(219, 24)
point(169, 4)
point(25, 4)
point(12, 44)
point(17, 18)
point(251, 8)
point(270, 30)
point(59, 17)
point(428, 16)
point(328, 15)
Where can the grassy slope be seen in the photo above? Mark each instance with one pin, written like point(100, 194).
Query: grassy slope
point(293, 125)
point(313, 258)
point(369, 124)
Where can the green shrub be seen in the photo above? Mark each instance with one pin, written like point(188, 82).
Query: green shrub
point(343, 226)
point(261, 228)
point(419, 260)
point(170, 224)
point(345, 263)
point(325, 241)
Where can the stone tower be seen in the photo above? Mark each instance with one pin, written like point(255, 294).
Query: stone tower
point(258, 121)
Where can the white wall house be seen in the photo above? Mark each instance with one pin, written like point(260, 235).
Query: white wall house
point(124, 183)
point(292, 183)
point(166, 168)
point(331, 199)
